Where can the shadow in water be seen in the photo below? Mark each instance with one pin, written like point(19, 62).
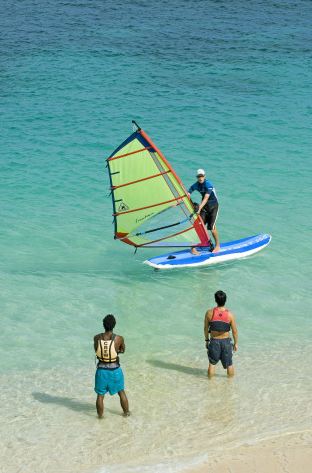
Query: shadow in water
point(175, 367)
point(70, 403)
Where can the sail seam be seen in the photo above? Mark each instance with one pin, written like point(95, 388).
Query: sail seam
point(149, 206)
point(140, 180)
point(128, 154)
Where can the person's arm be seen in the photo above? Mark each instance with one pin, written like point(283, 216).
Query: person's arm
point(234, 332)
point(203, 203)
point(206, 326)
point(122, 346)
point(95, 342)
point(189, 192)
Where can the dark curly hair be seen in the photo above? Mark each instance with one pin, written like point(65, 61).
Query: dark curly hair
point(109, 322)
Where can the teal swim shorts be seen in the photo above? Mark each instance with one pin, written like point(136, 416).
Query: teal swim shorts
point(111, 381)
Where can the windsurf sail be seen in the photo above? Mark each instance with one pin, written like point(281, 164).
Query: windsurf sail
point(151, 207)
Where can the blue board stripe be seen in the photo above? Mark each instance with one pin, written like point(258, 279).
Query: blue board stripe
point(238, 246)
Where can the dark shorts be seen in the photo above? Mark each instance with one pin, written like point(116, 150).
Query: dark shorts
point(209, 214)
point(220, 349)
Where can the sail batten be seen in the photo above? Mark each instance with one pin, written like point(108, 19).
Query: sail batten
point(169, 236)
point(149, 198)
point(140, 180)
point(128, 154)
point(148, 206)
point(163, 228)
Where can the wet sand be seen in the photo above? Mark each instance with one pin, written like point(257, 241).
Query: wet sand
point(290, 453)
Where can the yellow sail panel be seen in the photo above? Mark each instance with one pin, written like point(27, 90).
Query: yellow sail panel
point(144, 186)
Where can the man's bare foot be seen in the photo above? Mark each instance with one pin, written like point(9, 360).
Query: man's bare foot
point(217, 248)
point(195, 252)
point(126, 414)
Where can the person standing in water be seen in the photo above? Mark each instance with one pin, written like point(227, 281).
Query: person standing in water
point(208, 208)
point(218, 323)
point(109, 376)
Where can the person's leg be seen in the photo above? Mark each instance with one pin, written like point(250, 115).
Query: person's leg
point(203, 215)
point(211, 371)
point(124, 402)
point(214, 352)
point(100, 389)
point(215, 235)
point(100, 405)
point(227, 357)
point(212, 215)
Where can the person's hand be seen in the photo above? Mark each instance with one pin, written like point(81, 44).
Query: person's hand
point(235, 347)
point(207, 344)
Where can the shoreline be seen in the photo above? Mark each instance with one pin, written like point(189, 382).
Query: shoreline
point(214, 444)
point(288, 453)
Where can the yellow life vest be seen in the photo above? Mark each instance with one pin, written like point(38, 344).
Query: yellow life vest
point(106, 351)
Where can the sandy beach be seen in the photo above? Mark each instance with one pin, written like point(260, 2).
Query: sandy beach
point(290, 453)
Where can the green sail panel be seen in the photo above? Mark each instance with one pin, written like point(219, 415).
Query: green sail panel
point(150, 203)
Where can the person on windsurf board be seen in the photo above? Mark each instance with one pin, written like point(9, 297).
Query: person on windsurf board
point(208, 208)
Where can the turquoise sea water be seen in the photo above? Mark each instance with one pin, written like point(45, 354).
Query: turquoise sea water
point(220, 85)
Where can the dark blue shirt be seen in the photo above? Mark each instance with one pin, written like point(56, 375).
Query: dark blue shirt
point(205, 188)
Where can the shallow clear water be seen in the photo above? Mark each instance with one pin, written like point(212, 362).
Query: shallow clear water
point(216, 85)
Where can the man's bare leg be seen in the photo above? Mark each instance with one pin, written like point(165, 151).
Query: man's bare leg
point(211, 371)
point(215, 235)
point(230, 371)
point(124, 402)
point(100, 405)
point(194, 251)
